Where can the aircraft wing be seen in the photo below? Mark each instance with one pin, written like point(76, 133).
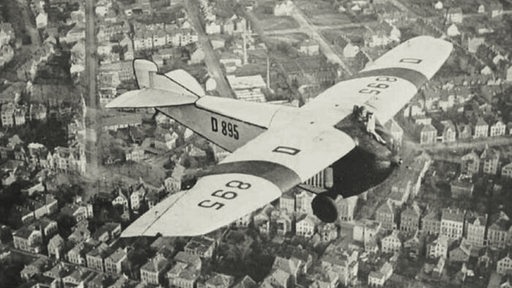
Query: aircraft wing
point(246, 180)
point(389, 83)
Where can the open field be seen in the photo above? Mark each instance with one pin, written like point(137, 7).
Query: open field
point(322, 13)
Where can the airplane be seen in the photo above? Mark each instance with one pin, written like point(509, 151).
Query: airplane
point(274, 147)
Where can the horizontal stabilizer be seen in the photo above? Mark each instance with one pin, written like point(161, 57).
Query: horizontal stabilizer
point(151, 98)
point(180, 81)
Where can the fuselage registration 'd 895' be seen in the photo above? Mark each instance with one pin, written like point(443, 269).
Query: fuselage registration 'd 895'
point(225, 127)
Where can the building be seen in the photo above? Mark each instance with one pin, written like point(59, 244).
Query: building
point(480, 128)
point(96, 257)
point(391, 243)
point(283, 8)
point(410, 218)
point(428, 134)
point(438, 247)
point(431, 223)
point(475, 224)
point(346, 208)
point(200, 246)
point(454, 15)
point(28, 238)
point(185, 272)
point(342, 262)
point(220, 281)
point(396, 132)
point(506, 171)
point(497, 129)
point(470, 164)
point(461, 253)
point(490, 161)
point(248, 88)
point(309, 48)
point(114, 262)
point(378, 278)
point(385, 214)
point(452, 223)
point(287, 201)
point(152, 271)
point(173, 183)
point(303, 201)
point(68, 159)
point(462, 187)
point(504, 265)
point(498, 230)
point(55, 247)
point(305, 226)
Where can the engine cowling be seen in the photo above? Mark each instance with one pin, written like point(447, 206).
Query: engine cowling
point(325, 208)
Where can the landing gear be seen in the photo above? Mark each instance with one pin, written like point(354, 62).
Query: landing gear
point(324, 207)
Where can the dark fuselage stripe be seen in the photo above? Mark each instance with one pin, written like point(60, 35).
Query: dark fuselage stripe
point(413, 76)
point(280, 175)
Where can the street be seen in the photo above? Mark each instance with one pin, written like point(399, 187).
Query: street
point(91, 70)
point(210, 59)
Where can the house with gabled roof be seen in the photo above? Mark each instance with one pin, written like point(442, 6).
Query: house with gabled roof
point(498, 128)
point(378, 278)
point(504, 264)
point(114, 262)
point(413, 246)
point(80, 232)
point(461, 253)
point(121, 199)
point(56, 246)
point(96, 257)
point(37, 266)
point(28, 238)
point(276, 278)
point(490, 161)
point(201, 246)
point(506, 171)
point(246, 282)
point(291, 266)
point(475, 224)
point(427, 134)
point(470, 163)
point(182, 275)
point(454, 15)
point(108, 231)
point(480, 128)
point(305, 226)
point(464, 130)
point(410, 218)
point(452, 223)
point(392, 242)
point(438, 247)
point(431, 223)
point(152, 271)
point(76, 255)
point(499, 228)
point(220, 281)
point(342, 262)
point(385, 214)
point(446, 131)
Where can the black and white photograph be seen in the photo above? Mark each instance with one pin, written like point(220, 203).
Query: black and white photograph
point(255, 143)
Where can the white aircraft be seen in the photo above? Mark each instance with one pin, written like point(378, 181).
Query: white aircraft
point(277, 147)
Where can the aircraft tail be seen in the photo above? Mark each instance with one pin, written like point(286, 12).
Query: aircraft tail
point(158, 90)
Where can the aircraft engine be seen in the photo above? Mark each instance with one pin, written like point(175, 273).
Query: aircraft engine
point(324, 207)
point(372, 160)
